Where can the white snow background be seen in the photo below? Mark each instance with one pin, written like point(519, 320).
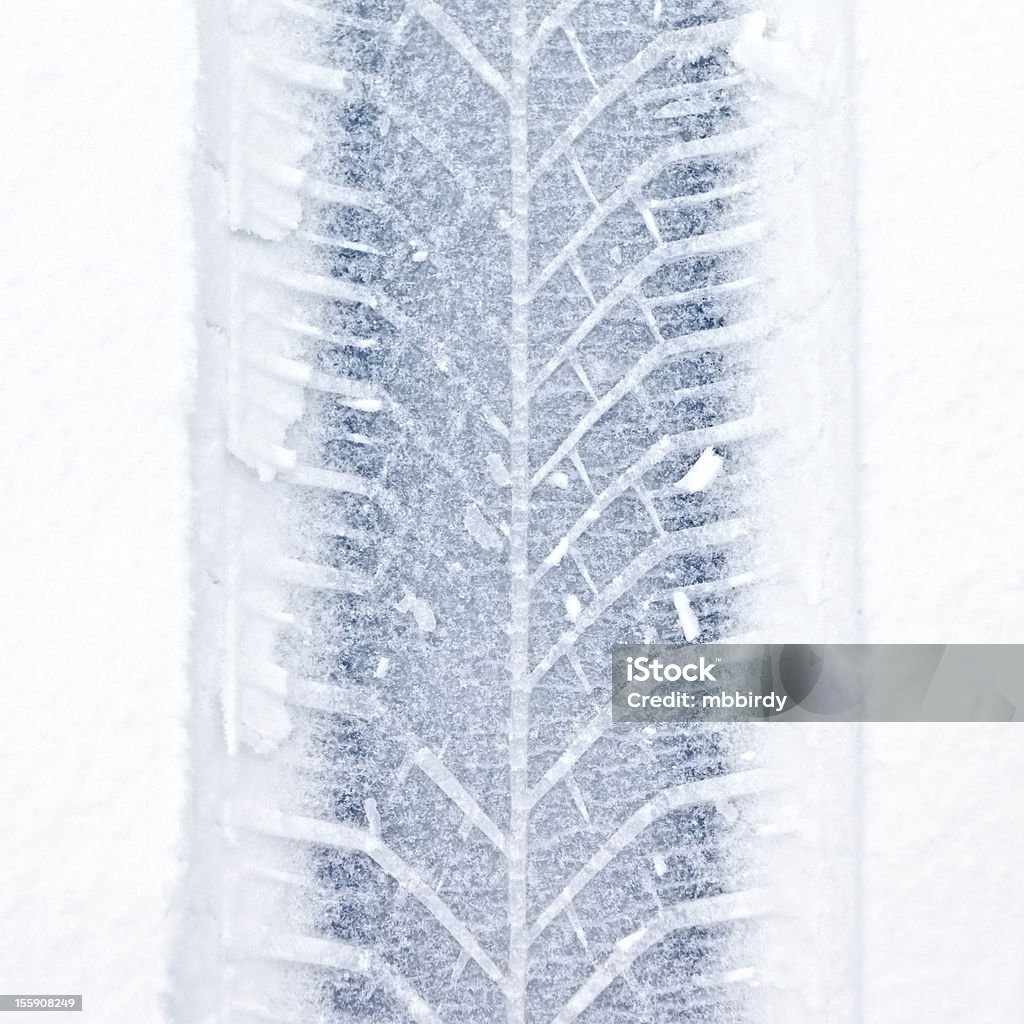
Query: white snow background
point(96, 263)
point(97, 335)
point(940, 89)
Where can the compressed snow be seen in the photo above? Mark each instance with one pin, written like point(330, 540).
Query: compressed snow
point(701, 475)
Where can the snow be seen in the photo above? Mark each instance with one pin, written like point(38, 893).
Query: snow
point(422, 613)
point(940, 217)
point(703, 473)
point(497, 469)
point(97, 275)
point(96, 269)
point(480, 530)
point(688, 621)
point(940, 213)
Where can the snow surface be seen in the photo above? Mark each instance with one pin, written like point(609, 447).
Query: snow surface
point(97, 293)
point(96, 270)
point(941, 213)
point(941, 379)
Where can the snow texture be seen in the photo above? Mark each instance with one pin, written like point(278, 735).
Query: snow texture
point(940, 215)
point(491, 345)
point(97, 270)
point(96, 278)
